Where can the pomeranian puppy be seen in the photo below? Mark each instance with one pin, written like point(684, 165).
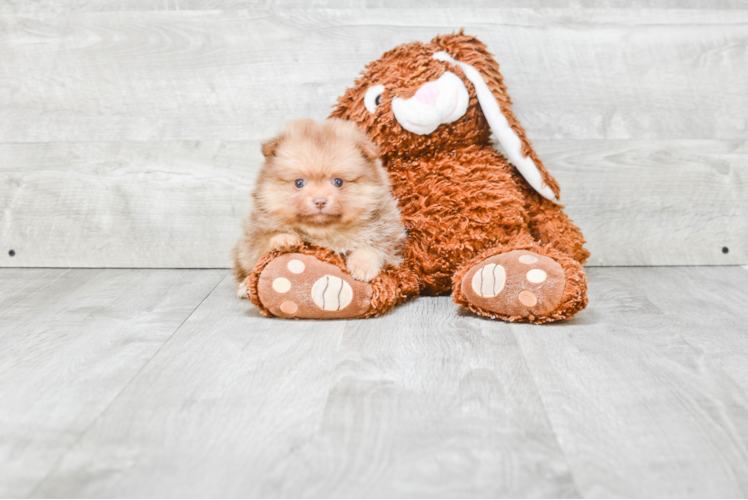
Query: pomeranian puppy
point(322, 183)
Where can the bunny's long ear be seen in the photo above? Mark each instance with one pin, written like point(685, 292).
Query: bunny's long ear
point(482, 70)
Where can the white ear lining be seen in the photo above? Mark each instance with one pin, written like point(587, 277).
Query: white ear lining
point(500, 126)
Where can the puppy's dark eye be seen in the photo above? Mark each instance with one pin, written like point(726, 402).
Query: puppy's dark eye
point(299, 183)
point(337, 182)
point(378, 100)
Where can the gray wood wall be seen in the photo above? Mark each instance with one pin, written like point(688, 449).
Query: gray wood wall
point(130, 130)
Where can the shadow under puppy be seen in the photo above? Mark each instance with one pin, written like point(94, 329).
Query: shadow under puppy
point(322, 184)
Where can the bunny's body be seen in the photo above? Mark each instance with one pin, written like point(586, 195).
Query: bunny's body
point(453, 211)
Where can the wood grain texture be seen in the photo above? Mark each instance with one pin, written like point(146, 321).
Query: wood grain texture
point(423, 402)
point(201, 75)
point(656, 202)
point(55, 6)
point(464, 421)
point(641, 395)
point(70, 341)
point(178, 204)
point(118, 204)
point(647, 390)
point(130, 129)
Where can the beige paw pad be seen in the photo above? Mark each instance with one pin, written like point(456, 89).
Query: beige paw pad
point(489, 281)
point(289, 307)
point(536, 276)
point(528, 259)
point(331, 293)
point(528, 298)
point(281, 285)
point(295, 266)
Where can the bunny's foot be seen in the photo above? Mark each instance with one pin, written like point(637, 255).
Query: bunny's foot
point(313, 283)
point(535, 285)
point(295, 285)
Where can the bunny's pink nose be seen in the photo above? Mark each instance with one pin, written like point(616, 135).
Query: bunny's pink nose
point(428, 93)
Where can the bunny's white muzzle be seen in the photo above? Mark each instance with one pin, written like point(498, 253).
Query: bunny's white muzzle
point(441, 101)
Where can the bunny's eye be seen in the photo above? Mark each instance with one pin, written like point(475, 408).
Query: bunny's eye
point(373, 98)
point(337, 182)
point(299, 183)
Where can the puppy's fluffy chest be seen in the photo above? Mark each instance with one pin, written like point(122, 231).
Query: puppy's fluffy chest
point(340, 240)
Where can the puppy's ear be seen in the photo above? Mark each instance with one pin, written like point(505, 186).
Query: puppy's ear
point(369, 149)
point(269, 147)
point(468, 52)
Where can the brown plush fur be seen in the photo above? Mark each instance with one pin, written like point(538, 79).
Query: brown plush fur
point(461, 200)
point(359, 220)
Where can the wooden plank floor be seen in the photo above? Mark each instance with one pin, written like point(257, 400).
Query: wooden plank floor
point(129, 383)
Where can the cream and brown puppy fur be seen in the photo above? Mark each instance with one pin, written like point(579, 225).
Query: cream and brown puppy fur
point(323, 184)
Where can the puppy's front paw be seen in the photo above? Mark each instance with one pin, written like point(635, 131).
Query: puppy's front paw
point(363, 266)
point(241, 290)
point(285, 242)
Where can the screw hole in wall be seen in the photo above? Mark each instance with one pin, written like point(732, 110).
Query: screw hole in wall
point(725, 250)
point(12, 253)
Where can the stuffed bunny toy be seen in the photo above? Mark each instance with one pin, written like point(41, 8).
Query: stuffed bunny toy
point(482, 227)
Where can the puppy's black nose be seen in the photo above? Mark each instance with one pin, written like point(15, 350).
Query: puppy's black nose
point(320, 202)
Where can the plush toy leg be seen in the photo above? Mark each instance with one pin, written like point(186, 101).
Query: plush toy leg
point(552, 227)
point(523, 283)
point(313, 283)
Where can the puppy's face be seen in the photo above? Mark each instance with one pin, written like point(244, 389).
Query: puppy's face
point(320, 176)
